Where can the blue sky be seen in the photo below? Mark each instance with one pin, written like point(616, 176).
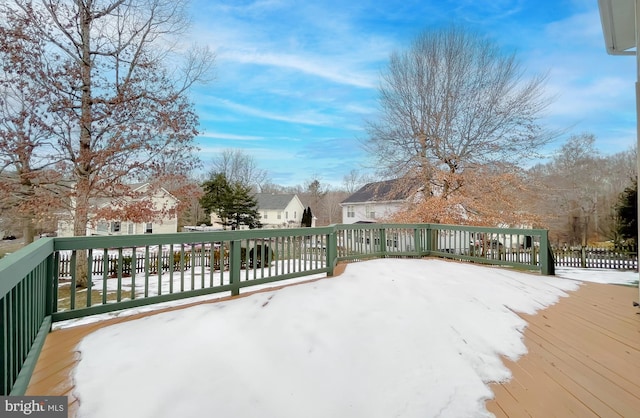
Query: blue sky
point(295, 80)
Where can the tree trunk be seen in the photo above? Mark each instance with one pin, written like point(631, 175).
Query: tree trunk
point(27, 230)
point(83, 165)
point(79, 230)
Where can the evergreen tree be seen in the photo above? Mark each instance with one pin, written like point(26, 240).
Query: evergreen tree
point(232, 202)
point(244, 207)
point(627, 211)
point(303, 222)
point(307, 218)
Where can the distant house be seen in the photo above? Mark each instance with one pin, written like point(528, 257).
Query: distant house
point(216, 222)
point(280, 210)
point(375, 201)
point(164, 221)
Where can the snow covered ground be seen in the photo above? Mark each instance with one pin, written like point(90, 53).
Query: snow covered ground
point(388, 338)
point(598, 275)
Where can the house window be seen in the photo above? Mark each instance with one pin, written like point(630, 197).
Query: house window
point(279, 215)
point(370, 212)
point(265, 215)
point(351, 212)
point(295, 215)
point(286, 215)
point(148, 228)
point(103, 227)
point(130, 229)
point(115, 226)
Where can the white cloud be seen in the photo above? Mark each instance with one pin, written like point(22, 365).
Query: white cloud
point(234, 137)
point(324, 68)
point(309, 117)
point(480, 11)
point(581, 99)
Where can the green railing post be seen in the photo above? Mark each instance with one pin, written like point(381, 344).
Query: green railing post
point(235, 264)
point(429, 236)
point(417, 240)
point(332, 251)
point(51, 285)
point(382, 233)
point(546, 258)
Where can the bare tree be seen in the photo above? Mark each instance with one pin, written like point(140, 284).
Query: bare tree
point(314, 195)
point(578, 189)
point(451, 104)
point(333, 210)
point(239, 166)
point(27, 165)
point(354, 180)
point(118, 109)
point(269, 187)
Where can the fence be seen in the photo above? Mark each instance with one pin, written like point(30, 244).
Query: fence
point(593, 257)
point(162, 262)
point(55, 279)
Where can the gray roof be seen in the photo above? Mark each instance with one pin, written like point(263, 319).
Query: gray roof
point(269, 201)
point(383, 191)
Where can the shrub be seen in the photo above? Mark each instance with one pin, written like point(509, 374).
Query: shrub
point(260, 255)
point(217, 263)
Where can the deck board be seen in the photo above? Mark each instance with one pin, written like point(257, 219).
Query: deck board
point(583, 359)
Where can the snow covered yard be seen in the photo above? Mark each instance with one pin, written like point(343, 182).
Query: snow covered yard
point(175, 282)
point(392, 337)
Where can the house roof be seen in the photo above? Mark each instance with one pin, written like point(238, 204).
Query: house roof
point(383, 191)
point(269, 201)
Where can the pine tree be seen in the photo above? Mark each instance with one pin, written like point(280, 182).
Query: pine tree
point(309, 217)
point(627, 211)
point(244, 207)
point(305, 218)
point(232, 202)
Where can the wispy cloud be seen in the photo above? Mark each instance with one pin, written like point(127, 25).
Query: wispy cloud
point(309, 117)
point(228, 136)
point(323, 68)
point(487, 10)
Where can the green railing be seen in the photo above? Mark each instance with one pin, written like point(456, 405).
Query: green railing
point(26, 304)
point(43, 282)
point(521, 248)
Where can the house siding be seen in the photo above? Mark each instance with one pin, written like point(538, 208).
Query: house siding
point(290, 215)
point(167, 224)
point(377, 201)
point(362, 211)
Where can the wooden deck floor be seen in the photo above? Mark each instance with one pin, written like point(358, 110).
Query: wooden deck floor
point(583, 360)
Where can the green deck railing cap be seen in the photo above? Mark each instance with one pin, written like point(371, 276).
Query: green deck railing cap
point(15, 266)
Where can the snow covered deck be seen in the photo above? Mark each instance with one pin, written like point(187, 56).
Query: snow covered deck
point(583, 358)
point(53, 373)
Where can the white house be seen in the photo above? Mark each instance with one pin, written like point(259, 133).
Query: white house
point(376, 201)
point(163, 204)
point(280, 210)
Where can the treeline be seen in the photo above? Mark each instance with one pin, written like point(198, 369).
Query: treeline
point(579, 192)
